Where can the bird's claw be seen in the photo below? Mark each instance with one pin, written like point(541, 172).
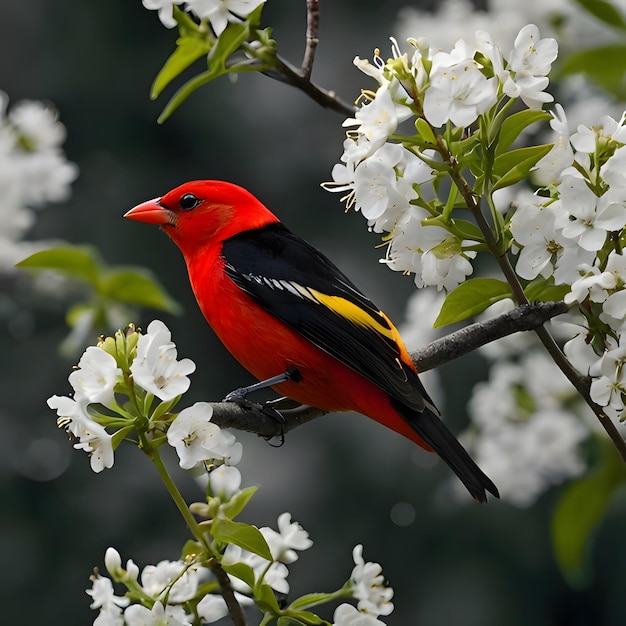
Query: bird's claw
point(236, 395)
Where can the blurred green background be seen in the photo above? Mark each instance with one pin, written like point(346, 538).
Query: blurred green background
point(341, 477)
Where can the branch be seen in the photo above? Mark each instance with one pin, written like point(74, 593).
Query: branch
point(285, 415)
point(300, 78)
point(461, 342)
point(287, 73)
point(312, 24)
point(234, 608)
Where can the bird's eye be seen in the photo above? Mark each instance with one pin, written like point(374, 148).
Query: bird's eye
point(188, 202)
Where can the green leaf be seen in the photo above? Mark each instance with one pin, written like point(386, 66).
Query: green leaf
point(577, 515)
point(137, 286)
point(228, 42)
point(604, 11)
point(242, 571)
point(515, 165)
point(544, 290)
point(242, 535)
point(266, 599)
point(237, 503)
point(189, 49)
point(425, 132)
point(309, 600)
point(471, 298)
point(466, 230)
point(515, 124)
point(79, 262)
point(605, 66)
point(300, 618)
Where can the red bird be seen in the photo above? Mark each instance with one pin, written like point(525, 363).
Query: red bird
point(286, 313)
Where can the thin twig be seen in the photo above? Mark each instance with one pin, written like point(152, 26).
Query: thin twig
point(254, 419)
point(312, 25)
point(234, 608)
point(284, 72)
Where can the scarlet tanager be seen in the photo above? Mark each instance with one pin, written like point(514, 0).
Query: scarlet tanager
point(285, 312)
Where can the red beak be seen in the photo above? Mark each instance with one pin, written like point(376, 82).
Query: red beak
point(151, 212)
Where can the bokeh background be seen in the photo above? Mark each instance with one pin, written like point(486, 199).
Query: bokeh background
point(346, 480)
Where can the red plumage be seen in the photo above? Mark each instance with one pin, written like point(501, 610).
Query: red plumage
point(277, 303)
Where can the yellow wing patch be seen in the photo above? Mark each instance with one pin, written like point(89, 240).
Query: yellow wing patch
point(355, 313)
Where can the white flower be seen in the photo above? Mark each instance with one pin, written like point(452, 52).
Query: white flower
point(550, 167)
point(585, 139)
point(529, 62)
point(220, 12)
point(445, 266)
point(368, 586)
point(525, 458)
point(37, 124)
point(580, 353)
point(459, 92)
point(165, 9)
point(138, 615)
point(155, 367)
point(102, 594)
point(224, 481)
point(96, 376)
point(534, 227)
point(347, 615)
point(110, 616)
point(289, 538)
point(197, 439)
point(172, 579)
point(588, 217)
point(212, 608)
point(613, 171)
point(609, 383)
point(378, 119)
point(93, 438)
point(521, 437)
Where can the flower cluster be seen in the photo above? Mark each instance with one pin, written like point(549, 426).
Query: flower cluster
point(116, 386)
point(33, 171)
point(565, 239)
point(573, 234)
point(520, 433)
point(137, 368)
point(180, 590)
point(217, 12)
point(184, 592)
point(393, 178)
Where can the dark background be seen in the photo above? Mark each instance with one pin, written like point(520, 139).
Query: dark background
point(340, 476)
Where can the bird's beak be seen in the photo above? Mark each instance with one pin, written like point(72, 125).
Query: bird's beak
point(151, 212)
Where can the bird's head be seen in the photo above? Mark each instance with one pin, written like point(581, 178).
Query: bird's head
point(203, 211)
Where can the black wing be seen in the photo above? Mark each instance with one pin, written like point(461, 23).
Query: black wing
point(296, 283)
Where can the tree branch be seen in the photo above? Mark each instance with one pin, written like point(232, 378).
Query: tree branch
point(287, 73)
point(234, 608)
point(312, 24)
point(300, 78)
point(285, 415)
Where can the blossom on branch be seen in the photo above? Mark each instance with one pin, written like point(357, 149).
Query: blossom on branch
point(368, 586)
point(198, 440)
point(92, 437)
point(156, 368)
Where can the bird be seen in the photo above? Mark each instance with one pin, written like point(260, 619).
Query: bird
point(295, 321)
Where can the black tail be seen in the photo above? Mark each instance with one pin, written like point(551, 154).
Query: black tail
point(436, 434)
